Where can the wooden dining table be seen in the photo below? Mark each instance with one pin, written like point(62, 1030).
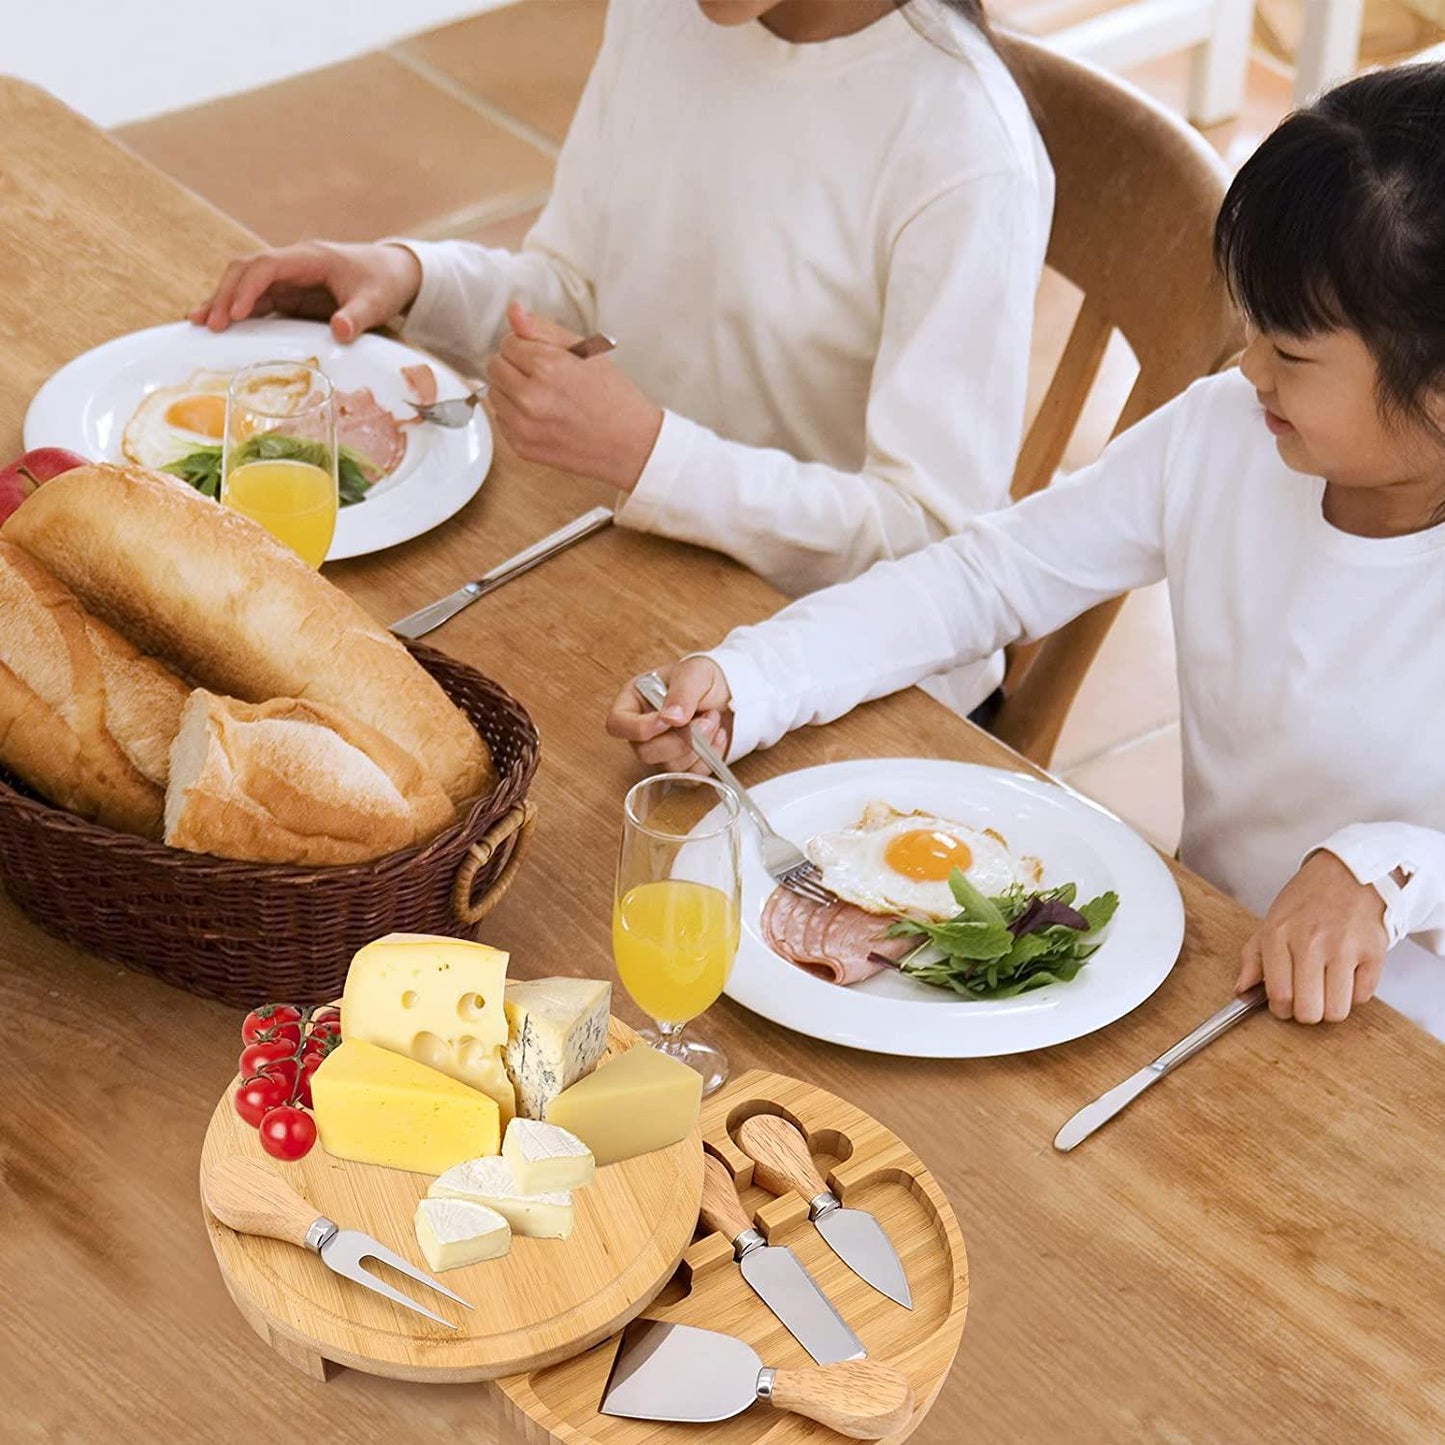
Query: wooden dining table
point(1253, 1252)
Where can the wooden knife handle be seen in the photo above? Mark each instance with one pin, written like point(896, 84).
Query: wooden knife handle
point(858, 1398)
point(780, 1156)
point(254, 1199)
point(721, 1208)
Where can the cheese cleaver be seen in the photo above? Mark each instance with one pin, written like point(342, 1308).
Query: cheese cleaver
point(776, 1273)
point(677, 1372)
point(781, 1162)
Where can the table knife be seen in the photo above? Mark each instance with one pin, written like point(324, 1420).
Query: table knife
point(1091, 1116)
point(253, 1198)
point(429, 618)
point(781, 1162)
point(776, 1274)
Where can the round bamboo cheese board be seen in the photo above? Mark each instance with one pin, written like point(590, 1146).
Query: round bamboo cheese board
point(542, 1302)
point(869, 1168)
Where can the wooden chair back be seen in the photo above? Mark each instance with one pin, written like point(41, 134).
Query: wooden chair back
point(1137, 191)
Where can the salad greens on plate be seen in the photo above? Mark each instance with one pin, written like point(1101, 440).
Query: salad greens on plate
point(1001, 947)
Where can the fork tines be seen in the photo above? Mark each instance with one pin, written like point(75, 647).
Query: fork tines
point(802, 881)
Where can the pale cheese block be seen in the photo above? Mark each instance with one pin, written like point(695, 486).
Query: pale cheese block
point(437, 1000)
point(489, 1181)
point(377, 1107)
point(453, 1233)
point(557, 1033)
point(634, 1103)
point(544, 1158)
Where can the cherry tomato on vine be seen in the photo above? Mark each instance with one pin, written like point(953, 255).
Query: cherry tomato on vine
point(260, 1055)
point(273, 1021)
point(288, 1133)
point(310, 1062)
point(255, 1098)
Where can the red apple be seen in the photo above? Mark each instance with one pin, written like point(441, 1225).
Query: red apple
point(19, 479)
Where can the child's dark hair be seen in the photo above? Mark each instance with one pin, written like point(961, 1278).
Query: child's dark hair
point(1337, 222)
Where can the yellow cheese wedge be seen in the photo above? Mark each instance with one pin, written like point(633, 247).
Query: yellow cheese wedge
point(440, 1001)
point(632, 1104)
point(379, 1108)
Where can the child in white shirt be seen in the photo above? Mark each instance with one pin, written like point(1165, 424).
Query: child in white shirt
point(815, 227)
point(1297, 507)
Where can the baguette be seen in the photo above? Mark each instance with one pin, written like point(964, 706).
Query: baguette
point(288, 781)
point(85, 719)
point(219, 598)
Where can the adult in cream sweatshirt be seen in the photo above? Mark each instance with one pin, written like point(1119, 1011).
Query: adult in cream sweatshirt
point(819, 259)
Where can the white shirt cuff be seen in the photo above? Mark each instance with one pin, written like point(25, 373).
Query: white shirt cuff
point(1372, 852)
point(646, 505)
point(433, 310)
point(747, 701)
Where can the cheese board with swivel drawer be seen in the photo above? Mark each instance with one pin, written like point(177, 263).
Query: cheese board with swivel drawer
point(546, 1299)
point(900, 1229)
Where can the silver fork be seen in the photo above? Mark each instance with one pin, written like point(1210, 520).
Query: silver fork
point(786, 863)
point(457, 411)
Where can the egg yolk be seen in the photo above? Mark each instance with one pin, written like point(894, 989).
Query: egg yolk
point(204, 415)
point(926, 855)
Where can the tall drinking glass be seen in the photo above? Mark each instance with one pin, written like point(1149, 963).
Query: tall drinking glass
point(675, 916)
point(278, 463)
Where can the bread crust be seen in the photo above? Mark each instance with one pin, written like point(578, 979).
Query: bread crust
point(291, 781)
point(85, 719)
point(221, 600)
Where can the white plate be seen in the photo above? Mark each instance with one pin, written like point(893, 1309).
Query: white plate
point(891, 1014)
point(87, 403)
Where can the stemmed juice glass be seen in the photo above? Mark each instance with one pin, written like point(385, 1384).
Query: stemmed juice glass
point(676, 910)
point(279, 460)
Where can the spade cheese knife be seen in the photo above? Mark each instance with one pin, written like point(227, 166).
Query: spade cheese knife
point(781, 1162)
point(252, 1198)
point(677, 1372)
point(776, 1273)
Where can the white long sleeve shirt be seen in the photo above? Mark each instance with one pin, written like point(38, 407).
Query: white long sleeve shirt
point(1312, 683)
point(819, 259)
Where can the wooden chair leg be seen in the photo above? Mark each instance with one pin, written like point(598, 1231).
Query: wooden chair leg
point(1329, 46)
point(1219, 68)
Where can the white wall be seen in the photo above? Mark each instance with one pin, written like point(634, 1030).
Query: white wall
point(123, 60)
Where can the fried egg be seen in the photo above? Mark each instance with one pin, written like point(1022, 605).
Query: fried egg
point(891, 862)
point(174, 421)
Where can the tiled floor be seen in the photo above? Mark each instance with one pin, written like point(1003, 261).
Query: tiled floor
point(455, 132)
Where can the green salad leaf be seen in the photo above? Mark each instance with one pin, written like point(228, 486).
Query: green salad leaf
point(202, 467)
point(1001, 947)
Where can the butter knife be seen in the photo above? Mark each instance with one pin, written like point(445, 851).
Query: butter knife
point(429, 618)
point(1091, 1116)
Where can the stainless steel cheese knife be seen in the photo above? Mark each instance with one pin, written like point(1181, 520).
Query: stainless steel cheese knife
point(776, 1274)
point(252, 1198)
point(428, 619)
point(1091, 1116)
point(781, 1162)
point(678, 1372)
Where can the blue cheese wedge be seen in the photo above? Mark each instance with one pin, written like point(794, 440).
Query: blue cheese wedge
point(545, 1158)
point(556, 1034)
point(457, 1232)
point(489, 1181)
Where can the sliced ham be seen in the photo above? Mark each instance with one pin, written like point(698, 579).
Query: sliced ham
point(366, 428)
point(833, 941)
point(421, 383)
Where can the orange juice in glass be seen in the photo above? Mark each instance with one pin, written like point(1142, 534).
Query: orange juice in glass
point(677, 909)
point(279, 459)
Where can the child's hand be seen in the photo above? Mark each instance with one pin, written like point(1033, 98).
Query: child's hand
point(357, 287)
point(1321, 946)
point(697, 692)
point(580, 416)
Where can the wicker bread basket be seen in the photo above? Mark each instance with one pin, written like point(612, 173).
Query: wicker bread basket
point(249, 933)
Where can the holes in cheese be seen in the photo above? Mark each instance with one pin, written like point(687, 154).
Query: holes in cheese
point(632, 1104)
point(378, 1107)
point(450, 1014)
